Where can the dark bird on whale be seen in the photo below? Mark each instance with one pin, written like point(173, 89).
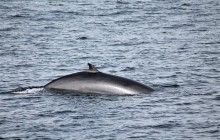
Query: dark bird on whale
point(93, 81)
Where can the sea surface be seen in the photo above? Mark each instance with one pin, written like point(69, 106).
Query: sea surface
point(172, 46)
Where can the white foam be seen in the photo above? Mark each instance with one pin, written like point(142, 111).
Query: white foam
point(29, 90)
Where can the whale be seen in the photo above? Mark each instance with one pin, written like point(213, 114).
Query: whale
point(92, 81)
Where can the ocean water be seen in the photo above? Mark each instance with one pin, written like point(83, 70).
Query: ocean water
point(171, 46)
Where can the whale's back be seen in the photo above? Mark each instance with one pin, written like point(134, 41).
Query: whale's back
point(97, 82)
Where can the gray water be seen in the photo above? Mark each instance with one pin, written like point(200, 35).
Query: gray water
point(171, 46)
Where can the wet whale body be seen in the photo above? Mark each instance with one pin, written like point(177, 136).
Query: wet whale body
point(93, 81)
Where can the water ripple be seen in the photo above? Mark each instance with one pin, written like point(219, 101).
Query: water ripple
point(171, 46)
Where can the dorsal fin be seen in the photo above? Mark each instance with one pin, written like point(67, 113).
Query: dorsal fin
point(92, 68)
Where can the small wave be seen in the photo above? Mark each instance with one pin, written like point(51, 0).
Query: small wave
point(17, 16)
point(129, 43)
point(217, 97)
point(127, 21)
point(198, 94)
point(66, 12)
point(51, 27)
point(64, 112)
point(114, 13)
point(158, 126)
point(28, 90)
point(186, 4)
point(210, 43)
point(128, 69)
point(171, 85)
point(83, 38)
point(178, 26)
point(122, 2)
point(8, 29)
point(4, 7)
point(123, 12)
point(168, 125)
point(205, 76)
